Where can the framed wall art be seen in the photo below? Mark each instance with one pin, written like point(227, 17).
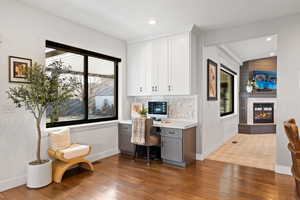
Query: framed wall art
point(135, 109)
point(212, 80)
point(18, 69)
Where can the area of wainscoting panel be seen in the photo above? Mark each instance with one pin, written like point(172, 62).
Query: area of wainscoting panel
point(103, 138)
point(179, 107)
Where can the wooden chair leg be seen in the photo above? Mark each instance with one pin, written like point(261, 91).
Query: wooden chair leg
point(148, 155)
point(297, 188)
point(60, 167)
point(87, 165)
point(134, 153)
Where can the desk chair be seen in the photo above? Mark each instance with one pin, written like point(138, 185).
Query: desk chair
point(291, 130)
point(148, 139)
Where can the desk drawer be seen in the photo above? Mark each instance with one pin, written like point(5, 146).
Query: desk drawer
point(171, 132)
point(125, 128)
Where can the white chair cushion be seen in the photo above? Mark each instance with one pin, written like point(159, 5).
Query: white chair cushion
point(60, 139)
point(75, 150)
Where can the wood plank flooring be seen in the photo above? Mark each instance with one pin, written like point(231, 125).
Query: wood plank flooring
point(253, 150)
point(119, 177)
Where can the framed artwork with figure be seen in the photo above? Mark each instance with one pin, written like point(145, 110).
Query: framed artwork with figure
point(212, 80)
point(18, 69)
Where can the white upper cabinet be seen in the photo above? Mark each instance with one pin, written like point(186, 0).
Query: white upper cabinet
point(179, 65)
point(160, 67)
point(139, 58)
point(159, 73)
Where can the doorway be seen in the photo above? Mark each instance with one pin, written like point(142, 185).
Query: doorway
point(254, 143)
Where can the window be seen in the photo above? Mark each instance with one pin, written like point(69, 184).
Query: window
point(97, 98)
point(226, 93)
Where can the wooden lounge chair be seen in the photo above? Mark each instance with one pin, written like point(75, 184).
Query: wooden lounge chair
point(66, 154)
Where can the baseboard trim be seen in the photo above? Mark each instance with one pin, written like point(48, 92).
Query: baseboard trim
point(12, 183)
point(199, 156)
point(21, 180)
point(281, 169)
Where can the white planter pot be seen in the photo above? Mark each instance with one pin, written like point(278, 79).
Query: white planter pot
point(39, 175)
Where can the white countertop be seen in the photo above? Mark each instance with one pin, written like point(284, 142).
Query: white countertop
point(168, 124)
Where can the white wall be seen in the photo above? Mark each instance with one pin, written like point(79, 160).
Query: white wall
point(23, 32)
point(288, 70)
point(216, 130)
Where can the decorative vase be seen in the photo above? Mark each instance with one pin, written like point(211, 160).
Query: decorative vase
point(39, 175)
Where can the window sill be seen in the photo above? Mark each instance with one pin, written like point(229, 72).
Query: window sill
point(229, 116)
point(80, 127)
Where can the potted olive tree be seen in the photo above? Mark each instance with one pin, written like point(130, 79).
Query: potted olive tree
point(47, 88)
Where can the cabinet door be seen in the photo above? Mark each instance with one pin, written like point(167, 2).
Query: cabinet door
point(125, 145)
point(145, 71)
point(171, 149)
point(139, 65)
point(179, 65)
point(159, 70)
point(133, 69)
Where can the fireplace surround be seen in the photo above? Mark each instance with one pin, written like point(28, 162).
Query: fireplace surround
point(266, 119)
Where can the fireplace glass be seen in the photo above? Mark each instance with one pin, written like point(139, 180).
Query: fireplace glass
point(263, 112)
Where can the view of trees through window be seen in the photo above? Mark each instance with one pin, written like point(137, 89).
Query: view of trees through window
point(227, 93)
point(101, 88)
point(74, 109)
point(95, 99)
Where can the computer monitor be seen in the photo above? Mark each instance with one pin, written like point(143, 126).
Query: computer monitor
point(158, 110)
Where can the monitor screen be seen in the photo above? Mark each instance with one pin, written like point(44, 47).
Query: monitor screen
point(157, 108)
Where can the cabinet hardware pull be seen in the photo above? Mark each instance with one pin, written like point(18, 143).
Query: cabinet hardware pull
point(171, 132)
point(169, 86)
point(152, 88)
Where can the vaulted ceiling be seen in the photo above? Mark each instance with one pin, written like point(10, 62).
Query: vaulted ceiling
point(256, 48)
point(128, 19)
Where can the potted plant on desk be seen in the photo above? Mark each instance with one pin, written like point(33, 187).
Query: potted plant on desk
point(143, 113)
point(47, 88)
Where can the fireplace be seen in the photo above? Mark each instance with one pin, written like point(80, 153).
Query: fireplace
point(263, 112)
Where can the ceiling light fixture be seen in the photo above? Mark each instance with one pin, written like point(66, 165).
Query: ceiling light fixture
point(269, 39)
point(152, 22)
point(272, 54)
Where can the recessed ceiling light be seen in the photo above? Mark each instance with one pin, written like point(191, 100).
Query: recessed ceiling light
point(272, 54)
point(152, 22)
point(269, 39)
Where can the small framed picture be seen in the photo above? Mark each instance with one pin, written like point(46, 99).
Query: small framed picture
point(18, 69)
point(212, 80)
point(135, 109)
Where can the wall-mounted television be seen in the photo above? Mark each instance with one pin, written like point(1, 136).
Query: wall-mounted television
point(265, 80)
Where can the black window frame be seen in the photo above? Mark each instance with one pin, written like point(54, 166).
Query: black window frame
point(86, 54)
point(232, 75)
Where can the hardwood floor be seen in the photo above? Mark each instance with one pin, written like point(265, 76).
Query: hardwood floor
point(119, 177)
point(253, 150)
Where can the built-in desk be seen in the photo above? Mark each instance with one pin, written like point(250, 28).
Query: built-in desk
point(178, 141)
point(168, 124)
